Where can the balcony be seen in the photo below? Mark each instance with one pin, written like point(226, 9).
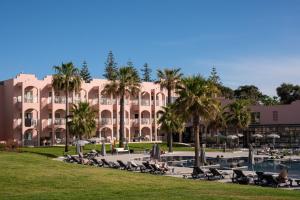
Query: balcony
point(30, 99)
point(94, 101)
point(114, 120)
point(60, 121)
point(135, 102)
point(60, 100)
point(105, 101)
point(134, 121)
point(30, 122)
point(105, 121)
point(145, 121)
point(49, 122)
point(145, 102)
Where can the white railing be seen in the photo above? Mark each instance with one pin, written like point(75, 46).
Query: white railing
point(134, 121)
point(49, 122)
point(135, 102)
point(105, 101)
point(94, 101)
point(30, 99)
point(49, 100)
point(114, 120)
point(145, 121)
point(30, 122)
point(59, 99)
point(105, 121)
point(59, 121)
point(145, 102)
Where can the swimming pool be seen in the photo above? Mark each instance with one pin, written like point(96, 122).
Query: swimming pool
point(293, 166)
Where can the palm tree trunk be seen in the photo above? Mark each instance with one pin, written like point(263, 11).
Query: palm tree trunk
point(67, 115)
point(122, 108)
point(169, 135)
point(196, 129)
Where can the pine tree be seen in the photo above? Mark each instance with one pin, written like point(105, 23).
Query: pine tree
point(130, 63)
point(214, 77)
point(84, 73)
point(111, 68)
point(146, 73)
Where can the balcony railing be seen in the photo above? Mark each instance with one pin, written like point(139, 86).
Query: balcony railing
point(30, 122)
point(105, 121)
point(49, 122)
point(145, 102)
point(59, 121)
point(59, 99)
point(134, 121)
point(30, 99)
point(135, 102)
point(105, 101)
point(94, 101)
point(160, 103)
point(114, 120)
point(145, 121)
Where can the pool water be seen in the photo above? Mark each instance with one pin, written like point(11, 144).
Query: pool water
point(293, 166)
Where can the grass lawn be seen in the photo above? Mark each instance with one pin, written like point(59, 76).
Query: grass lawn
point(32, 176)
point(137, 147)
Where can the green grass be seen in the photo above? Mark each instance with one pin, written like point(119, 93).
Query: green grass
point(32, 176)
point(137, 147)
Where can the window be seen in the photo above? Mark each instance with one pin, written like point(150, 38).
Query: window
point(255, 118)
point(275, 115)
point(58, 135)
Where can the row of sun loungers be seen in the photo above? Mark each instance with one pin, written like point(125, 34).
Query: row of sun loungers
point(211, 174)
point(130, 166)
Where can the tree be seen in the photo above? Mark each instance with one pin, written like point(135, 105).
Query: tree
point(197, 100)
point(249, 92)
point(146, 73)
point(288, 93)
point(66, 79)
point(84, 73)
point(226, 92)
point(126, 81)
point(269, 101)
point(238, 114)
point(111, 68)
point(214, 77)
point(170, 122)
point(169, 79)
point(83, 120)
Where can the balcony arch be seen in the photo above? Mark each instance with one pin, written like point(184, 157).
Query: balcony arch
point(31, 118)
point(60, 117)
point(145, 117)
point(145, 134)
point(31, 137)
point(93, 95)
point(31, 94)
point(59, 136)
point(160, 99)
point(145, 98)
point(105, 99)
point(106, 117)
point(80, 96)
point(107, 134)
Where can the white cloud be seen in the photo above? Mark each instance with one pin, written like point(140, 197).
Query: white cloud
point(266, 73)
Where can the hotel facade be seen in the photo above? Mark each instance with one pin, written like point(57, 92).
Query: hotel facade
point(33, 114)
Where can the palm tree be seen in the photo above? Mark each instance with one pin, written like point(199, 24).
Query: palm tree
point(83, 120)
point(170, 122)
point(169, 79)
point(66, 79)
point(127, 81)
point(238, 114)
point(197, 101)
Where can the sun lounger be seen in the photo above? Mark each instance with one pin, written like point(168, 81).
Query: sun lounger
point(215, 174)
point(259, 178)
point(109, 164)
point(197, 173)
point(157, 169)
point(96, 162)
point(132, 166)
point(122, 165)
point(240, 177)
point(274, 181)
point(121, 150)
point(146, 167)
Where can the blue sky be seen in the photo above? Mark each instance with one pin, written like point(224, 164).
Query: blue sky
point(249, 42)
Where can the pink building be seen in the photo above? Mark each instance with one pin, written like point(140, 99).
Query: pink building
point(32, 113)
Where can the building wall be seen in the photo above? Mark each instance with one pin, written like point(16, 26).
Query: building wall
point(33, 110)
